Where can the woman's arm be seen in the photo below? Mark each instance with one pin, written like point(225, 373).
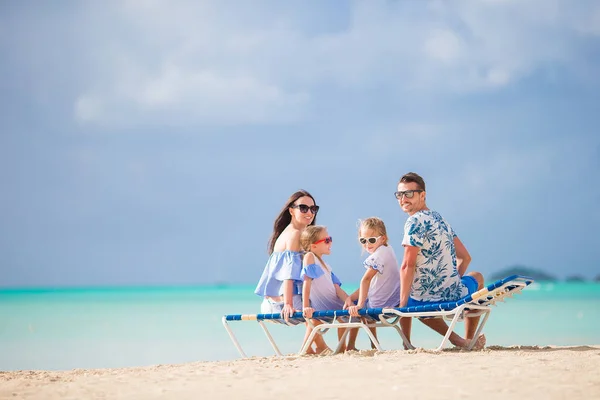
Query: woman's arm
point(288, 299)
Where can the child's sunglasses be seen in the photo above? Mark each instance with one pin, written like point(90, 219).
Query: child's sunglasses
point(327, 240)
point(371, 240)
point(304, 208)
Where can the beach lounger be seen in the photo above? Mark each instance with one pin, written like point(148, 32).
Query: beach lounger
point(478, 303)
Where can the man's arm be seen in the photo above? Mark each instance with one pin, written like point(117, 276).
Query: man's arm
point(407, 273)
point(463, 258)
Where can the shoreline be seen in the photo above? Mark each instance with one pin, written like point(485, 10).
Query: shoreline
point(524, 371)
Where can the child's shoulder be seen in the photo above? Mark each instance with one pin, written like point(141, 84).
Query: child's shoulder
point(382, 253)
point(309, 258)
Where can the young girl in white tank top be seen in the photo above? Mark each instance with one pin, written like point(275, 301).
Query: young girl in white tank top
point(321, 288)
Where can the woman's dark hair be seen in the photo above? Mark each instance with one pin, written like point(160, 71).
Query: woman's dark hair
point(284, 218)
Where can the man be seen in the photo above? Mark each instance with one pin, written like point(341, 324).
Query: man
point(435, 262)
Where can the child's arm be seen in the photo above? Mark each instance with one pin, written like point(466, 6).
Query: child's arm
point(337, 285)
point(365, 282)
point(341, 293)
point(363, 291)
point(307, 310)
point(350, 300)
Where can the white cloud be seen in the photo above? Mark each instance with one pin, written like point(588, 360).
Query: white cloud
point(203, 62)
point(498, 77)
point(443, 45)
point(201, 96)
point(88, 109)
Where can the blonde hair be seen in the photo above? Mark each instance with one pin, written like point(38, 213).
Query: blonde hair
point(375, 224)
point(310, 235)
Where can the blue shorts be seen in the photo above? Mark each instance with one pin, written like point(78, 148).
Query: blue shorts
point(467, 280)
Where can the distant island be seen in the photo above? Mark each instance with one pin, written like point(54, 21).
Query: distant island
point(537, 274)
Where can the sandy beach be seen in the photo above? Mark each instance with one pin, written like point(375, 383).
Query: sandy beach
point(493, 373)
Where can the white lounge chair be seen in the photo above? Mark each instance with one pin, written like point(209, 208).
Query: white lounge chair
point(478, 303)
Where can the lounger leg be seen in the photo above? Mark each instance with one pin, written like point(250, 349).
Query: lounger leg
point(306, 345)
point(398, 329)
point(341, 341)
point(449, 331)
point(262, 324)
point(404, 339)
point(372, 337)
point(233, 338)
point(479, 329)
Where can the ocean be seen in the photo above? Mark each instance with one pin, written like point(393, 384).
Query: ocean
point(123, 327)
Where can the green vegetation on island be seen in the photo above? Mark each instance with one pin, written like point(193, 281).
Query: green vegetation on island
point(536, 274)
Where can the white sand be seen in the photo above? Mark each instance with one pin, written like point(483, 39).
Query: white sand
point(494, 373)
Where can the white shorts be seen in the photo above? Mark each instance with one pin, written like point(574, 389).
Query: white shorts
point(269, 306)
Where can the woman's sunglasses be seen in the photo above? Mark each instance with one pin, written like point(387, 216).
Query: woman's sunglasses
point(304, 208)
point(327, 240)
point(409, 194)
point(371, 240)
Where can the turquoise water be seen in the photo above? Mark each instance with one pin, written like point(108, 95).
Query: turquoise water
point(97, 328)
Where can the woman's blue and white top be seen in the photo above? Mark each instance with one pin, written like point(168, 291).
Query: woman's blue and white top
point(281, 266)
point(384, 290)
point(323, 295)
point(436, 274)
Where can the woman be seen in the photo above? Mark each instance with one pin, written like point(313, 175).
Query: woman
point(280, 284)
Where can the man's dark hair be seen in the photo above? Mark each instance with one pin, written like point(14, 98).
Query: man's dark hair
point(413, 177)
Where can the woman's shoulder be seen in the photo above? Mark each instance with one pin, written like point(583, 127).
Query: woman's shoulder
point(289, 240)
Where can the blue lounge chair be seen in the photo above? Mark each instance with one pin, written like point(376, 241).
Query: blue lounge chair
point(478, 303)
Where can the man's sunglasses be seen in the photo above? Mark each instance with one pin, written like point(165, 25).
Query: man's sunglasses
point(327, 240)
point(408, 193)
point(304, 208)
point(371, 240)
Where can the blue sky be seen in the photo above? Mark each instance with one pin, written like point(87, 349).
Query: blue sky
point(154, 142)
